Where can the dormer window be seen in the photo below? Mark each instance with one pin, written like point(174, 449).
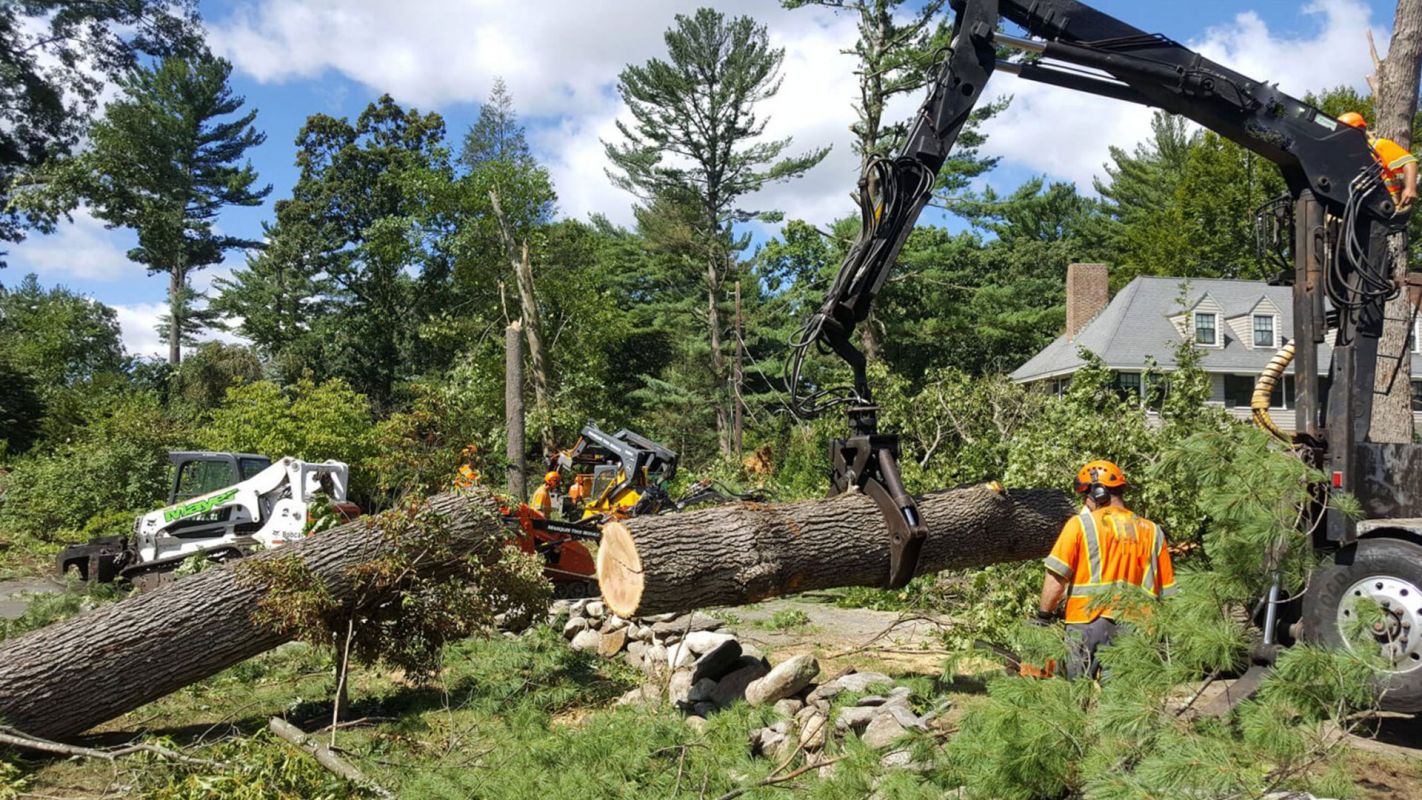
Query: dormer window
point(1207, 329)
point(1265, 331)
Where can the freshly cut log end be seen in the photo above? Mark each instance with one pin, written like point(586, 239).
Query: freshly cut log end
point(728, 555)
point(619, 569)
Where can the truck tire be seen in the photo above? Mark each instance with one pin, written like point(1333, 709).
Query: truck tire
point(1389, 573)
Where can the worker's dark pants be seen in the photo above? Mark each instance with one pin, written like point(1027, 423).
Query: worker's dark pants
point(1083, 641)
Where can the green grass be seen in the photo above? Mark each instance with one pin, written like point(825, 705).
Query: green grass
point(786, 619)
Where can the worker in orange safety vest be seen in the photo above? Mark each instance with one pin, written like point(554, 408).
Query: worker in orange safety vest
point(1105, 559)
point(1398, 165)
point(542, 501)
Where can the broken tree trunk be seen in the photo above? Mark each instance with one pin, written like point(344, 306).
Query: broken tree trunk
point(728, 555)
point(70, 676)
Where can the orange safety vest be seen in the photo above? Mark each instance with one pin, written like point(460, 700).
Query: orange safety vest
point(1393, 157)
point(1110, 551)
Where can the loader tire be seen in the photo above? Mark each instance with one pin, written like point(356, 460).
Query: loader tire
point(1389, 573)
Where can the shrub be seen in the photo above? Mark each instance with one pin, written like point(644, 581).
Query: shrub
point(116, 466)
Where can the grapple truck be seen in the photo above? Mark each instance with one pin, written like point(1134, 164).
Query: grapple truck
point(1337, 217)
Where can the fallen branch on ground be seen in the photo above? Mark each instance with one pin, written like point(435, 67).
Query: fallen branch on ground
point(18, 739)
point(324, 755)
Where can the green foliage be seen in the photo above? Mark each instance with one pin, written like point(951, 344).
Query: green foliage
point(201, 382)
point(400, 609)
point(786, 619)
point(57, 337)
point(57, 57)
point(306, 420)
point(164, 162)
point(1182, 204)
point(262, 768)
point(116, 464)
point(355, 258)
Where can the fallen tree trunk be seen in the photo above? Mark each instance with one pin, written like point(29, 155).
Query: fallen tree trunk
point(729, 555)
point(68, 677)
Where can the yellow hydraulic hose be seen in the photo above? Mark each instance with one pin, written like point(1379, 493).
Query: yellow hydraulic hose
point(1264, 387)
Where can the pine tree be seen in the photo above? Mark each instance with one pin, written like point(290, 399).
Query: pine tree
point(695, 134)
point(164, 162)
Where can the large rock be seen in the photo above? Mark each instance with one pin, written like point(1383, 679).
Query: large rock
point(813, 726)
point(679, 687)
point(732, 687)
point(855, 718)
point(587, 641)
point(648, 694)
point(701, 691)
point(882, 731)
point(679, 656)
point(595, 609)
point(612, 643)
point(853, 682)
point(682, 626)
point(716, 663)
point(574, 626)
point(788, 707)
point(787, 679)
point(701, 642)
point(612, 623)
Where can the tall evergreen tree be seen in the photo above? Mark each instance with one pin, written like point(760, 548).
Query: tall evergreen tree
point(165, 162)
point(695, 135)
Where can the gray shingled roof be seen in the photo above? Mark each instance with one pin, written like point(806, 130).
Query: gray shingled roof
point(1136, 325)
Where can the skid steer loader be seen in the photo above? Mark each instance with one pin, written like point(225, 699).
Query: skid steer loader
point(220, 505)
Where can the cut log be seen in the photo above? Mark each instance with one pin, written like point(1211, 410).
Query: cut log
point(65, 678)
point(730, 555)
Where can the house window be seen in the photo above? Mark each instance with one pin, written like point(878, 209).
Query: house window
point(1206, 332)
point(1264, 331)
point(1239, 391)
point(1128, 386)
point(1417, 395)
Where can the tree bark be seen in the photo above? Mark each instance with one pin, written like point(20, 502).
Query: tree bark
point(70, 676)
point(738, 380)
point(729, 555)
point(175, 316)
point(532, 329)
point(718, 359)
point(513, 410)
point(1395, 83)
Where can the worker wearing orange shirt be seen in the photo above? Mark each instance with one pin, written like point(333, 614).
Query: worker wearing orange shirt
point(542, 501)
point(1105, 558)
point(1399, 166)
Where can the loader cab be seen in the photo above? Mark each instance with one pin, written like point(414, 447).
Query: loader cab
point(200, 472)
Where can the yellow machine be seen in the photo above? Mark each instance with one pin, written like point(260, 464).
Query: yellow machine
point(615, 476)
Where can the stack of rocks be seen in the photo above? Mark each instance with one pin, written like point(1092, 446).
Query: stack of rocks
point(692, 663)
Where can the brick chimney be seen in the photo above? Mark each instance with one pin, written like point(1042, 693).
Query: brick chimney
point(1087, 292)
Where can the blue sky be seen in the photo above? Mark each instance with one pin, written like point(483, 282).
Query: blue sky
point(294, 58)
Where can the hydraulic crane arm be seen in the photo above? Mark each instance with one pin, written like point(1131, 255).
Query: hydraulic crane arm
point(1078, 47)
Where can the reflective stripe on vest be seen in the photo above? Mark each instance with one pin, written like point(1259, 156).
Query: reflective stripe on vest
point(1093, 546)
point(1154, 567)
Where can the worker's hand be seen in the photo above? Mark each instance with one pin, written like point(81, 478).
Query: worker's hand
point(1409, 196)
point(1043, 619)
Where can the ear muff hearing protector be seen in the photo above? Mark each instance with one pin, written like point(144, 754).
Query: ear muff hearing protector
point(1098, 493)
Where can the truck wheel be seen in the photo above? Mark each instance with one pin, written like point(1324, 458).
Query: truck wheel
point(1387, 572)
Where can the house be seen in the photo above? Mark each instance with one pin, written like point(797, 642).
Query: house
point(1238, 325)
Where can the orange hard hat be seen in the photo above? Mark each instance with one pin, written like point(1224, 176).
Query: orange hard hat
point(1103, 472)
point(1353, 119)
point(551, 477)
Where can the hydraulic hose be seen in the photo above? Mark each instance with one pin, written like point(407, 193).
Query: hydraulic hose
point(1264, 388)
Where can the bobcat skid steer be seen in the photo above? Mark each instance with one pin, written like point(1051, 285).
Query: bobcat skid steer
point(266, 509)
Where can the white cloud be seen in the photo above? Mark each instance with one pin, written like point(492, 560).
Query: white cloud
point(1067, 134)
point(82, 249)
point(138, 325)
point(561, 60)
